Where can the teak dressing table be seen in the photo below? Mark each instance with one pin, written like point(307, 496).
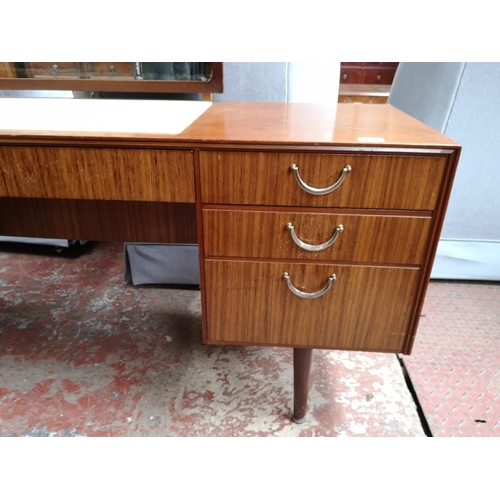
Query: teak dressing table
point(317, 225)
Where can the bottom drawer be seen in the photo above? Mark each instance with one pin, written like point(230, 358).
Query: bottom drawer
point(365, 308)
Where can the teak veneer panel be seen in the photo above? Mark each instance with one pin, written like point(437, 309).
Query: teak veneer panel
point(97, 174)
point(392, 239)
point(376, 181)
point(98, 220)
point(367, 308)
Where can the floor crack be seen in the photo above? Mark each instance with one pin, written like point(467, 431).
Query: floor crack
point(425, 425)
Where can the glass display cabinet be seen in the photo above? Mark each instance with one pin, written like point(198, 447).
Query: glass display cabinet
point(159, 77)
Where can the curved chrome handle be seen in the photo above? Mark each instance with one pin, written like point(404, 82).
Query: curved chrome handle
point(319, 191)
point(314, 248)
point(314, 295)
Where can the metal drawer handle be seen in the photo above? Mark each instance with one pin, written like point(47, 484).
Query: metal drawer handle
point(314, 248)
point(319, 191)
point(314, 295)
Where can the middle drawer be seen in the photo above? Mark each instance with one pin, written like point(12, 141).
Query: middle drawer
point(344, 237)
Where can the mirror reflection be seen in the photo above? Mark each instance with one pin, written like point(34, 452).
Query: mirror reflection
point(158, 71)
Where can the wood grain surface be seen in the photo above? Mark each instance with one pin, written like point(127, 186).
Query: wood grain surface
point(391, 239)
point(96, 220)
point(366, 307)
point(97, 174)
point(114, 185)
point(376, 181)
point(259, 124)
point(7, 70)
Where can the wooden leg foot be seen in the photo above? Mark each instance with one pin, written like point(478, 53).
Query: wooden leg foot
point(301, 369)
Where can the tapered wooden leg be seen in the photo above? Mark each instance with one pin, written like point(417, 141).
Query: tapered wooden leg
point(301, 369)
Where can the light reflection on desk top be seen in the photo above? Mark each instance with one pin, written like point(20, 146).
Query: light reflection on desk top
point(232, 122)
point(98, 117)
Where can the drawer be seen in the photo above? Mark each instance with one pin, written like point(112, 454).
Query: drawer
point(388, 239)
point(97, 174)
point(375, 181)
point(109, 69)
point(350, 75)
point(53, 70)
point(366, 308)
point(378, 76)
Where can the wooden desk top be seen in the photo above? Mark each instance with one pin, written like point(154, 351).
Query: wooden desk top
point(250, 123)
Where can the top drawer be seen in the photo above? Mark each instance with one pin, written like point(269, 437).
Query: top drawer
point(374, 181)
point(97, 174)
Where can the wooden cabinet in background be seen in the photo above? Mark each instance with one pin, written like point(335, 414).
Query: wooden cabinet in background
point(8, 69)
point(53, 70)
point(368, 73)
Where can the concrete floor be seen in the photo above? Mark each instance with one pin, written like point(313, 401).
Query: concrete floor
point(83, 353)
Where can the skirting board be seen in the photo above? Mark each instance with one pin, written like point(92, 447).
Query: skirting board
point(467, 260)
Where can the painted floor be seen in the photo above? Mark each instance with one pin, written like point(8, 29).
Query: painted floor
point(84, 353)
point(455, 362)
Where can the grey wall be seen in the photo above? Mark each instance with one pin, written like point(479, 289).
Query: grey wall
point(463, 101)
point(280, 82)
point(257, 81)
point(427, 91)
point(474, 209)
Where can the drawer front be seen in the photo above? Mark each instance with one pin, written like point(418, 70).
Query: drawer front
point(352, 76)
point(97, 174)
point(351, 238)
point(53, 70)
point(378, 76)
point(385, 182)
point(110, 69)
point(366, 308)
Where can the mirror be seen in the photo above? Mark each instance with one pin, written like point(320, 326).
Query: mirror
point(113, 76)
